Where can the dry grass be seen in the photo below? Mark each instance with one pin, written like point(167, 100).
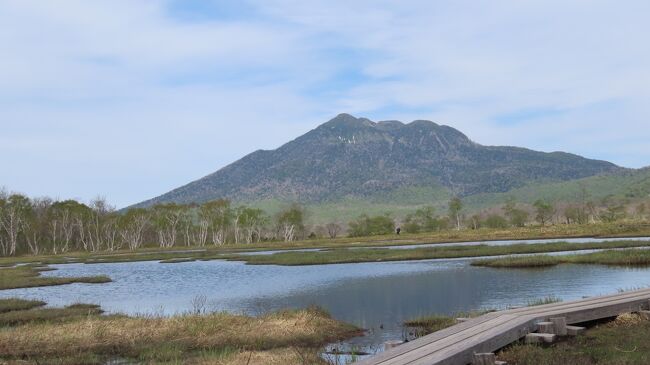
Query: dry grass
point(284, 356)
point(50, 315)
point(285, 337)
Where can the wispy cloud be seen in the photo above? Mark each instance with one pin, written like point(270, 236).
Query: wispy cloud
point(130, 99)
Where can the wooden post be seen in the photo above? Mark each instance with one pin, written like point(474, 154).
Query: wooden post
point(540, 337)
point(391, 344)
point(574, 330)
point(487, 358)
point(545, 327)
point(559, 326)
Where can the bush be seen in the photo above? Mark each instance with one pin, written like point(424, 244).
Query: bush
point(496, 221)
point(371, 226)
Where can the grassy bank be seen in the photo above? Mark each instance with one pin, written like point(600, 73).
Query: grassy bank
point(79, 335)
point(629, 257)
point(446, 252)
point(29, 276)
point(623, 341)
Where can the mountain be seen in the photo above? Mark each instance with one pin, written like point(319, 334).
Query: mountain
point(356, 157)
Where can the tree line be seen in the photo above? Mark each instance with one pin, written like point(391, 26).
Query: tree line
point(43, 225)
point(513, 214)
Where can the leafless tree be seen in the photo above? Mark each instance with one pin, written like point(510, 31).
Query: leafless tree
point(67, 228)
point(12, 219)
point(202, 228)
point(111, 234)
point(236, 216)
point(217, 214)
point(35, 224)
point(132, 226)
point(333, 229)
point(167, 218)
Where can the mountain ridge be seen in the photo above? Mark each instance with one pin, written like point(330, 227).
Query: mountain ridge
point(356, 157)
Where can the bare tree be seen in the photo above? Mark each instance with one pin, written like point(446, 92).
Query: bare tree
point(217, 214)
point(455, 207)
point(236, 217)
point(290, 222)
point(4, 239)
point(252, 220)
point(13, 215)
point(333, 229)
point(35, 224)
point(62, 224)
point(111, 233)
point(132, 226)
point(167, 218)
point(203, 228)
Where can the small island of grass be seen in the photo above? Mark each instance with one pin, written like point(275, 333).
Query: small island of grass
point(630, 257)
point(29, 276)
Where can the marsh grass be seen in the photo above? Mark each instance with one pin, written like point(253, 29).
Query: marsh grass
point(550, 299)
point(29, 276)
point(339, 256)
point(629, 257)
point(424, 325)
point(50, 315)
point(78, 334)
point(17, 304)
point(623, 341)
point(519, 261)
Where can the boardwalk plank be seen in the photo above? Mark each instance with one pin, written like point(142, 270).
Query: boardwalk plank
point(490, 332)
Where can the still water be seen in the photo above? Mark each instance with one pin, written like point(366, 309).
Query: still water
point(375, 296)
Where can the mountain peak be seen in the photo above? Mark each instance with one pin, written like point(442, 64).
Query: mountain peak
point(347, 120)
point(349, 156)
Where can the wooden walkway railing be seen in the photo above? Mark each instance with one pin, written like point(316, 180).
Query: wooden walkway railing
point(457, 345)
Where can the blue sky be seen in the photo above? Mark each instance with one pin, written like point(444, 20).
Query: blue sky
point(129, 99)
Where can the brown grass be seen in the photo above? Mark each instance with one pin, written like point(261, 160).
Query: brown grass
point(50, 315)
point(285, 337)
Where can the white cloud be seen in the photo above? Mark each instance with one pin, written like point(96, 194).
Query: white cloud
point(121, 98)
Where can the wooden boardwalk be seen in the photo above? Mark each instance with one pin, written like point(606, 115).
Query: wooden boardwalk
point(457, 345)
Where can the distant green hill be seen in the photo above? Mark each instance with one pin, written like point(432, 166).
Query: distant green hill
point(351, 165)
point(631, 185)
